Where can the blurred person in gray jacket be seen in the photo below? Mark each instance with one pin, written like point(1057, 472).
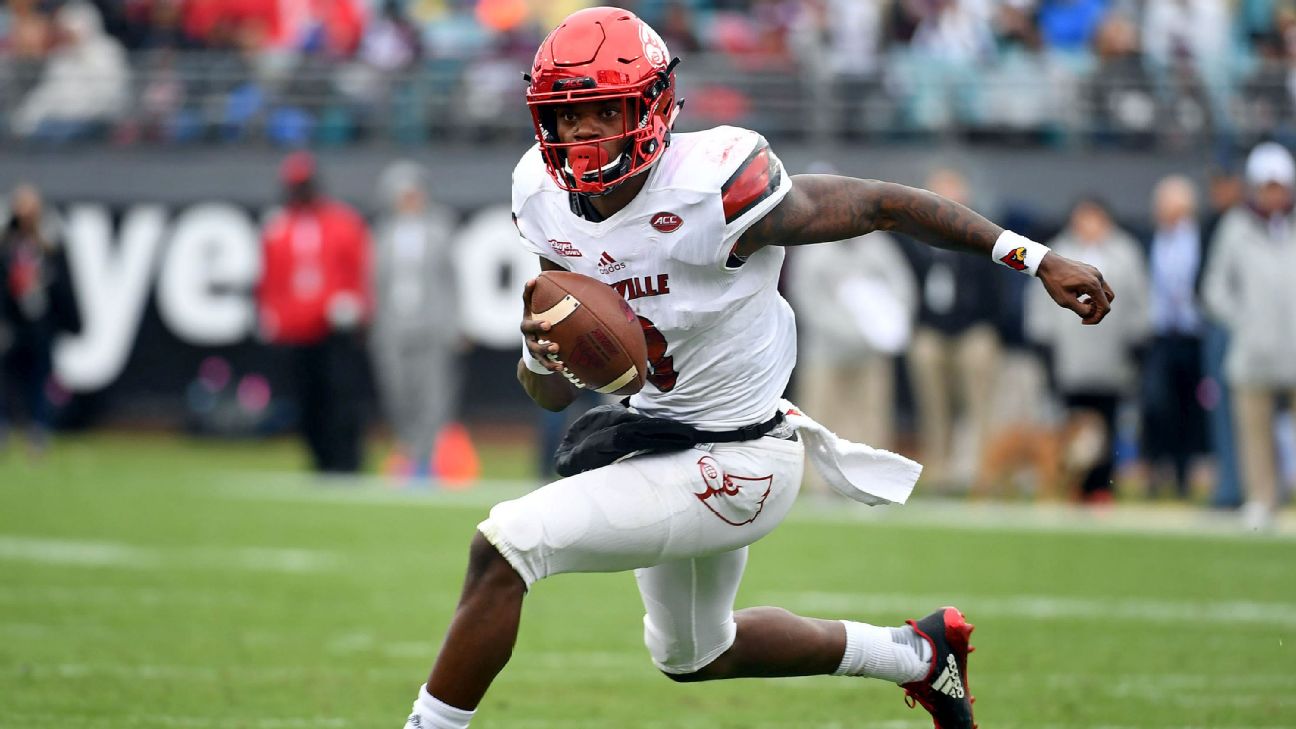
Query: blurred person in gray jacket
point(1094, 368)
point(857, 300)
point(1250, 288)
point(84, 86)
point(415, 337)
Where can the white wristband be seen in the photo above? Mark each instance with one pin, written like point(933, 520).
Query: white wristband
point(1018, 252)
point(532, 363)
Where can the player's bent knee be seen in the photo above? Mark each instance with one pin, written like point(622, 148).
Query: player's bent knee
point(487, 568)
point(702, 674)
point(687, 656)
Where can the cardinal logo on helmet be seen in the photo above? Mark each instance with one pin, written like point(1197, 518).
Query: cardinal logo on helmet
point(654, 47)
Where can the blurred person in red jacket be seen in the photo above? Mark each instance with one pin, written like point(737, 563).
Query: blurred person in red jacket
point(314, 300)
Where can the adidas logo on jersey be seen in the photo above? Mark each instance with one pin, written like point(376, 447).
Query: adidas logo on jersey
point(608, 265)
point(950, 682)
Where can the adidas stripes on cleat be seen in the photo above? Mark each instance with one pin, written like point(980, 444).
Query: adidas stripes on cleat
point(944, 692)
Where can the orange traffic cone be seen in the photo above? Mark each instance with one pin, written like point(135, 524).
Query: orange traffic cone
point(455, 460)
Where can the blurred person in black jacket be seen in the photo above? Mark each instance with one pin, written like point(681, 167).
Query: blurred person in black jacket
point(36, 303)
point(955, 353)
point(1173, 419)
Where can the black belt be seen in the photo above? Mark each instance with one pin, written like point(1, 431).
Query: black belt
point(609, 432)
point(747, 432)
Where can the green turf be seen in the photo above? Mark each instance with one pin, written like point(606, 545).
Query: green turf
point(165, 583)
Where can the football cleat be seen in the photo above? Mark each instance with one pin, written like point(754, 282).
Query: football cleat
point(944, 692)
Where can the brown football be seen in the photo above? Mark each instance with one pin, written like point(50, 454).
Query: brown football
point(599, 337)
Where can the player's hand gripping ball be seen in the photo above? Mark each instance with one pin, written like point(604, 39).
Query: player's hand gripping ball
point(600, 341)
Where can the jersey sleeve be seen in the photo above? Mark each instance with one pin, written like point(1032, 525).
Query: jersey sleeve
point(755, 187)
point(528, 238)
point(528, 180)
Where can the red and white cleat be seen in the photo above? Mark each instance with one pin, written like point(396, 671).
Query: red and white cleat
point(944, 693)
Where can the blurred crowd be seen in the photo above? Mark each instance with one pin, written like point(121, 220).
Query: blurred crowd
point(1137, 72)
point(1175, 395)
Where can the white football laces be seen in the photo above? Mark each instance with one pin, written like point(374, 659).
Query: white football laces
point(572, 378)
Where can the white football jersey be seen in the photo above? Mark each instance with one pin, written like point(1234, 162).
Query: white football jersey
point(721, 340)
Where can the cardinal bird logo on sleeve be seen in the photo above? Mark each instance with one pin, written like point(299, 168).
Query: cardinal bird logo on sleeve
point(1016, 259)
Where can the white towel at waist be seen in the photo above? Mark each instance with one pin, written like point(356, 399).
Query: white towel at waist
point(868, 475)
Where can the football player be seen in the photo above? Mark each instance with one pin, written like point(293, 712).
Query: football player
point(690, 228)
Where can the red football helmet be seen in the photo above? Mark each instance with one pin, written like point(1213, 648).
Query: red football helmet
point(602, 54)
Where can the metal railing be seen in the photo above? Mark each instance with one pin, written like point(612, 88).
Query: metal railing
point(223, 98)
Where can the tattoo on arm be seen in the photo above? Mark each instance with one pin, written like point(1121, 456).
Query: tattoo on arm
point(822, 208)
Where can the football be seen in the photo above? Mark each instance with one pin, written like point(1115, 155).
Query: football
point(599, 338)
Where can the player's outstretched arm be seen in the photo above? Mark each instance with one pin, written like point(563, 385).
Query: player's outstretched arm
point(824, 208)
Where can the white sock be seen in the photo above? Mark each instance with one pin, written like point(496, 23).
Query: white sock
point(433, 713)
point(896, 654)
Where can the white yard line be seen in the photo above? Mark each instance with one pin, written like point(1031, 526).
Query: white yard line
point(125, 596)
point(85, 553)
point(1144, 519)
point(1048, 607)
point(183, 722)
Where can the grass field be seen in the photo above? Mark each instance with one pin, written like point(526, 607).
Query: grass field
point(154, 582)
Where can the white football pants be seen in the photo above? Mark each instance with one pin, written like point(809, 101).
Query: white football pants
point(681, 520)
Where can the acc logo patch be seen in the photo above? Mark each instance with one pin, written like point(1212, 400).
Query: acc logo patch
point(666, 222)
point(737, 500)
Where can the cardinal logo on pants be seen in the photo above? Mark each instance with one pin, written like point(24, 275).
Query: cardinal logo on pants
point(737, 500)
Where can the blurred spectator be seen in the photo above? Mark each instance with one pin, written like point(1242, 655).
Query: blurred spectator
point(391, 41)
point(415, 336)
point(30, 32)
point(313, 300)
point(955, 352)
point(330, 28)
point(958, 31)
point(1226, 190)
point(1068, 25)
point(1250, 287)
point(856, 300)
point(951, 41)
point(843, 40)
point(36, 303)
point(678, 29)
point(84, 86)
point(1173, 421)
point(1119, 93)
point(214, 23)
point(1186, 44)
point(390, 47)
point(1016, 27)
point(163, 26)
point(1026, 87)
point(1268, 93)
point(456, 34)
point(1094, 368)
point(1195, 32)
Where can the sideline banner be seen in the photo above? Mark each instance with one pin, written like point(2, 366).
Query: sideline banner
point(165, 289)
